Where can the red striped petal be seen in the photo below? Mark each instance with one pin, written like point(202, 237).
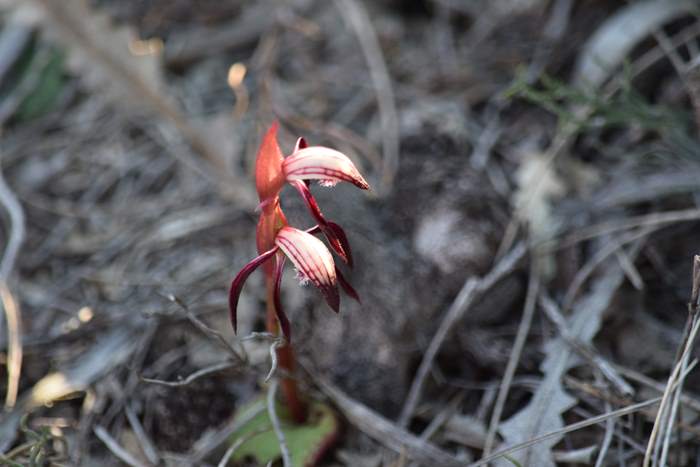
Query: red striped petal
point(312, 259)
point(239, 280)
point(281, 316)
point(324, 164)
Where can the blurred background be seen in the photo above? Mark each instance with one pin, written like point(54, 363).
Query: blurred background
point(524, 258)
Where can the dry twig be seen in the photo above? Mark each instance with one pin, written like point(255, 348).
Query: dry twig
point(192, 377)
point(382, 430)
point(356, 16)
point(117, 449)
point(568, 429)
point(665, 418)
point(146, 443)
point(277, 427)
point(471, 291)
point(512, 365)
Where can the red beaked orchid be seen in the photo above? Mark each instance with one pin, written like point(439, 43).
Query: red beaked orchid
point(276, 240)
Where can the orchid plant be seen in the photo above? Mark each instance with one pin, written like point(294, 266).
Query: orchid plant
point(277, 240)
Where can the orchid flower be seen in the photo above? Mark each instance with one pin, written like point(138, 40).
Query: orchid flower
point(277, 240)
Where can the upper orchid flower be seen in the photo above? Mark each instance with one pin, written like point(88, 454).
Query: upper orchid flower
point(275, 239)
point(326, 165)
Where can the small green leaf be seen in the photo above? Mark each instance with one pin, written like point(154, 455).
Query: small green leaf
point(305, 442)
point(47, 90)
point(512, 461)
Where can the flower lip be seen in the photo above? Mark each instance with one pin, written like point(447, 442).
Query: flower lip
point(312, 259)
point(321, 163)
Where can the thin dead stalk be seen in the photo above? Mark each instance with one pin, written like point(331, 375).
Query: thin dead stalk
point(147, 446)
point(14, 346)
point(9, 202)
point(607, 438)
point(9, 305)
point(277, 427)
point(580, 425)
point(568, 429)
point(514, 359)
point(193, 376)
point(358, 19)
point(472, 290)
point(142, 90)
point(656, 220)
point(384, 431)
point(199, 324)
point(114, 446)
point(609, 371)
point(614, 245)
point(665, 417)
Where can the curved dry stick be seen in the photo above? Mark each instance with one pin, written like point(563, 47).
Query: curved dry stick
point(567, 429)
point(14, 345)
point(12, 312)
point(193, 376)
point(274, 419)
point(14, 209)
point(358, 19)
point(514, 359)
point(671, 385)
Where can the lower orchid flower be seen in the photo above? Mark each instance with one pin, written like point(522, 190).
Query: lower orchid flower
point(313, 262)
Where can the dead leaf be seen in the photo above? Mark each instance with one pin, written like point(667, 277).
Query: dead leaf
point(116, 64)
point(544, 411)
point(608, 47)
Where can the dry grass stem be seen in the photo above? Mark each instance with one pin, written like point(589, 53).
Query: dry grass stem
point(470, 292)
point(216, 368)
point(387, 433)
point(276, 426)
point(514, 358)
point(118, 450)
point(358, 19)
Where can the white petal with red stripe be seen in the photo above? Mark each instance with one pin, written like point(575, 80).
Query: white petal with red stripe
point(323, 164)
point(312, 259)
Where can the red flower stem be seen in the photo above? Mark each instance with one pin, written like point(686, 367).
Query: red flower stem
point(285, 360)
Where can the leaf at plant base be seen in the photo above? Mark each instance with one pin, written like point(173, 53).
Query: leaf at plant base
point(47, 90)
point(307, 442)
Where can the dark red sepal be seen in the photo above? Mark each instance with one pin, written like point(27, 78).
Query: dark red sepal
point(333, 232)
point(239, 280)
point(301, 144)
point(281, 316)
point(332, 297)
point(346, 285)
point(337, 232)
